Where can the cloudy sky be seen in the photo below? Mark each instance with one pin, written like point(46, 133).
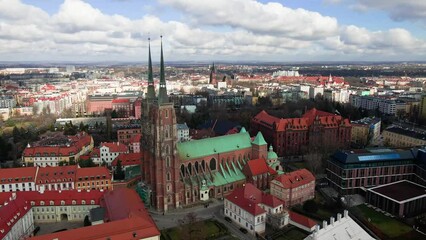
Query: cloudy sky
point(212, 30)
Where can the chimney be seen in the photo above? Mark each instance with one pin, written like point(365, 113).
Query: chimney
point(339, 216)
point(332, 221)
point(14, 196)
point(317, 228)
point(345, 213)
point(324, 224)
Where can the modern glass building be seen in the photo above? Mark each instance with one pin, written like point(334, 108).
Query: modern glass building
point(353, 171)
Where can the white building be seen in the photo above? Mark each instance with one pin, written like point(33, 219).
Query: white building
point(384, 105)
point(16, 221)
point(109, 151)
point(17, 179)
point(316, 90)
point(250, 208)
point(182, 132)
point(343, 228)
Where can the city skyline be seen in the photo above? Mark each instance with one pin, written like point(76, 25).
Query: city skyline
point(231, 30)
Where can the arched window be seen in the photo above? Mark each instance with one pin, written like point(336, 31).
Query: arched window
point(167, 149)
point(190, 168)
point(203, 165)
point(168, 176)
point(182, 170)
point(212, 164)
point(196, 167)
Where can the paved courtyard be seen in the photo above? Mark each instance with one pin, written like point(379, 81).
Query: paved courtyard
point(46, 228)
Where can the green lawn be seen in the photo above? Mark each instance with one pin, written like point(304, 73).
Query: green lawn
point(387, 225)
point(293, 234)
point(200, 230)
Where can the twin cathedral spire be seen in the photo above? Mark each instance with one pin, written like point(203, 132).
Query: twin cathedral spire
point(162, 95)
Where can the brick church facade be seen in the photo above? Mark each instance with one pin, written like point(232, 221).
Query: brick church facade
point(177, 174)
point(315, 129)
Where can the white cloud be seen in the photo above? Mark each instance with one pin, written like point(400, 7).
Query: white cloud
point(271, 18)
point(398, 10)
point(254, 31)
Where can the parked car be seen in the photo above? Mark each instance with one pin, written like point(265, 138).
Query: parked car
point(243, 230)
point(228, 219)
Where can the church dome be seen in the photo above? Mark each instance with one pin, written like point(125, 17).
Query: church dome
point(271, 153)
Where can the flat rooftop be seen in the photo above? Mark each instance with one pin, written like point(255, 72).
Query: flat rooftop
point(400, 191)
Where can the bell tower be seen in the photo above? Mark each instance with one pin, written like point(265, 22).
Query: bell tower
point(160, 163)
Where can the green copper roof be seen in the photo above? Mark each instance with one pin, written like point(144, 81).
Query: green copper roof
point(271, 153)
point(151, 90)
point(243, 130)
point(227, 174)
point(259, 140)
point(162, 94)
point(210, 146)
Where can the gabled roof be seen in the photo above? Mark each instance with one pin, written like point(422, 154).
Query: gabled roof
point(295, 179)
point(302, 220)
point(127, 159)
point(11, 212)
point(212, 146)
point(115, 147)
point(259, 140)
point(17, 175)
point(101, 172)
point(247, 198)
point(56, 174)
point(68, 196)
point(257, 167)
point(271, 201)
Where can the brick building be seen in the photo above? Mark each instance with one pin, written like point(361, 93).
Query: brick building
point(124, 135)
point(176, 174)
point(294, 187)
point(315, 129)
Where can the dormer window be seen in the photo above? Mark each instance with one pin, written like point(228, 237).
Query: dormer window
point(62, 203)
point(52, 203)
point(42, 203)
point(92, 202)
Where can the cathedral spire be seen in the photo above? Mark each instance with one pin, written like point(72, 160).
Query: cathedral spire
point(162, 96)
point(151, 88)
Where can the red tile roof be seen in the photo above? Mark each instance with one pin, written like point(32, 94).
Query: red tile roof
point(121, 100)
point(280, 124)
point(11, 210)
point(66, 195)
point(302, 220)
point(76, 144)
point(17, 175)
point(271, 201)
point(296, 178)
point(128, 159)
point(115, 147)
point(56, 174)
point(126, 229)
point(257, 167)
point(249, 204)
point(95, 172)
point(249, 197)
